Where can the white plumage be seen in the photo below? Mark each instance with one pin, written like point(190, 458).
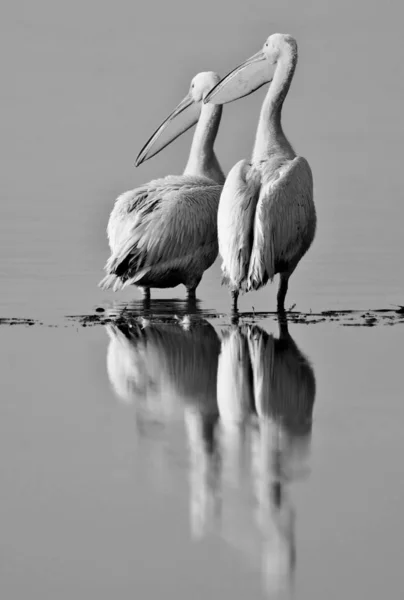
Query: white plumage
point(266, 216)
point(164, 233)
point(265, 222)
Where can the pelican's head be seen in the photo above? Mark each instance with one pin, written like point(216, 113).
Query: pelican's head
point(254, 72)
point(202, 84)
point(183, 117)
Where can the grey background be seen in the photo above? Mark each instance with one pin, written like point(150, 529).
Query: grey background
point(84, 84)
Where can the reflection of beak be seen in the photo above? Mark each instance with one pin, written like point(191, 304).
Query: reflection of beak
point(184, 116)
point(243, 80)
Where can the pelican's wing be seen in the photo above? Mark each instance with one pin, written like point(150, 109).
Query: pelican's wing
point(285, 221)
point(237, 206)
point(162, 223)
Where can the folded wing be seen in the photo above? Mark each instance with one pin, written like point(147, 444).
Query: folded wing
point(284, 223)
point(237, 207)
point(165, 222)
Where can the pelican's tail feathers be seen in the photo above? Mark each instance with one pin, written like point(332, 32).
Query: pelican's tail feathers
point(262, 264)
point(112, 264)
point(116, 283)
point(225, 280)
point(229, 282)
point(112, 282)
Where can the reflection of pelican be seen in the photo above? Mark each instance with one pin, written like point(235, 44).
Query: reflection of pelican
point(168, 370)
point(234, 378)
point(235, 399)
point(284, 389)
point(273, 377)
point(201, 427)
point(254, 429)
point(164, 361)
point(164, 233)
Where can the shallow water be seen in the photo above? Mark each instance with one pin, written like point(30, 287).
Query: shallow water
point(201, 460)
point(192, 458)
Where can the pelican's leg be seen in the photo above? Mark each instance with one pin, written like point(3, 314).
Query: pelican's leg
point(191, 293)
point(283, 326)
point(282, 290)
point(191, 286)
point(234, 299)
point(146, 297)
point(146, 293)
point(191, 301)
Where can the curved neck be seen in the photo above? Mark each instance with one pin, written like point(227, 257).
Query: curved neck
point(202, 159)
point(270, 139)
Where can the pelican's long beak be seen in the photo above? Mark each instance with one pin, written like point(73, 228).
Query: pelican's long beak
point(184, 117)
point(243, 80)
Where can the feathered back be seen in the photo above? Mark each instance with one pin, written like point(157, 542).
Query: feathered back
point(167, 224)
point(284, 222)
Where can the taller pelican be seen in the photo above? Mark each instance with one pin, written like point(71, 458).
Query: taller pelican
point(266, 218)
point(164, 233)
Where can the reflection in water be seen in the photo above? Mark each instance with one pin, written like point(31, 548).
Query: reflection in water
point(159, 308)
point(167, 370)
point(247, 406)
point(266, 390)
point(158, 365)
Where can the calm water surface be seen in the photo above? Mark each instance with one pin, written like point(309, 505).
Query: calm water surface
point(201, 461)
point(198, 459)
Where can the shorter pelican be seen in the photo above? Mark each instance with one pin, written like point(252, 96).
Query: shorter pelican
point(266, 216)
point(164, 233)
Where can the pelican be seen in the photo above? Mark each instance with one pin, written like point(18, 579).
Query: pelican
point(164, 233)
point(266, 216)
